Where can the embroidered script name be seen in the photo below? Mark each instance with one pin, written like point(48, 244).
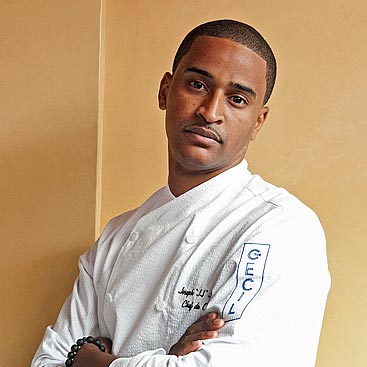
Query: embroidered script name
point(195, 298)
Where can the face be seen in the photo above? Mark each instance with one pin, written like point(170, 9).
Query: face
point(214, 105)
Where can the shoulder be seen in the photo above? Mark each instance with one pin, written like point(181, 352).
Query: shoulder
point(278, 197)
point(129, 218)
point(115, 224)
point(276, 207)
point(108, 242)
point(119, 227)
point(292, 229)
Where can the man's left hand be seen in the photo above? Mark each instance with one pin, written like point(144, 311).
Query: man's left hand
point(90, 355)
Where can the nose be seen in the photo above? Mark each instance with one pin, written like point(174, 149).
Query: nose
point(211, 108)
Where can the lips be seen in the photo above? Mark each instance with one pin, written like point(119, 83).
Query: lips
point(204, 132)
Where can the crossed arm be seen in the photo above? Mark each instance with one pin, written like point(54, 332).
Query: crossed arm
point(206, 327)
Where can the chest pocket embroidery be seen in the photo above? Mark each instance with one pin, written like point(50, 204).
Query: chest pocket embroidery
point(249, 279)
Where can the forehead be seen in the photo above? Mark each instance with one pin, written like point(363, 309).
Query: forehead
point(225, 59)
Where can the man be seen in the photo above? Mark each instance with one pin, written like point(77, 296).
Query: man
point(240, 260)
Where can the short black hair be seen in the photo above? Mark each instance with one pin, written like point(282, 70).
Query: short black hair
point(239, 32)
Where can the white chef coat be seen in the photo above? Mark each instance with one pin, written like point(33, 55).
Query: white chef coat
point(234, 244)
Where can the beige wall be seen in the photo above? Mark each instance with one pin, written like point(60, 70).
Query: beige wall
point(48, 119)
point(313, 143)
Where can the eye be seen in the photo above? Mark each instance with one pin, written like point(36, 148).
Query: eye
point(239, 100)
point(197, 85)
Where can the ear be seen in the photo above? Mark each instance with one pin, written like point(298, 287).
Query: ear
point(260, 122)
point(163, 90)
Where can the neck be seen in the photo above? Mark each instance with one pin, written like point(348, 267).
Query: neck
point(180, 184)
point(180, 181)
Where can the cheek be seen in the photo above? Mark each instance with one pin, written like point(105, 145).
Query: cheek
point(240, 133)
point(184, 103)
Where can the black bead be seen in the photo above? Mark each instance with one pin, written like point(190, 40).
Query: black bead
point(90, 339)
point(71, 355)
point(78, 345)
point(75, 348)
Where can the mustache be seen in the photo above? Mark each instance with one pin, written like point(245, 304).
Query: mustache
point(205, 130)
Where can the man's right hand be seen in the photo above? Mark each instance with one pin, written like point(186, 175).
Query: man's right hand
point(206, 327)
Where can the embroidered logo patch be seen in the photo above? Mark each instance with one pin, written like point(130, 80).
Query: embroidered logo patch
point(249, 279)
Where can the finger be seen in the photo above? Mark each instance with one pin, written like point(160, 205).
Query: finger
point(206, 317)
point(182, 348)
point(207, 324)
point(206, 327)
point(204, 335)
point(210, 315)
point(192, 343)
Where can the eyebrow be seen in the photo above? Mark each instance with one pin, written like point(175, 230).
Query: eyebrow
point(243, 88)
point(200, 71)
point(239, 86)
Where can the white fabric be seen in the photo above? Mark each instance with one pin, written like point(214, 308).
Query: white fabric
point(236, 245)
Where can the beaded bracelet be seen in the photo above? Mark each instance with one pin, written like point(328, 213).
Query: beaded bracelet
point(77, 346)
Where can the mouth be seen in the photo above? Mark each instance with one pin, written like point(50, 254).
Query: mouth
point(205, 132)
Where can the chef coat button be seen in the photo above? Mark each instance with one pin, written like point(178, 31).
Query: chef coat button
point(134, 236)
point(109, 297)
point(190, 238)
point(160, 306)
